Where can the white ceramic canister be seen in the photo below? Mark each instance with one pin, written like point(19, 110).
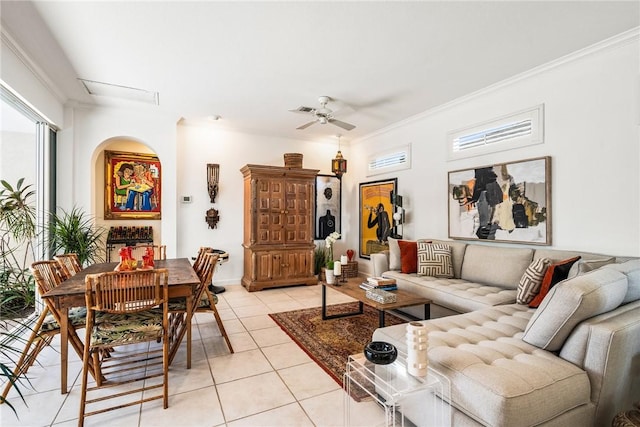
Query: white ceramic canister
point(417, 346)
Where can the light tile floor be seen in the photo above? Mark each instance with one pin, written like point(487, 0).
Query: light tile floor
point(268, 381)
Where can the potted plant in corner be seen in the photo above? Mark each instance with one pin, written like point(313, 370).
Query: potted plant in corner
point(17, 297)
point(76, 232)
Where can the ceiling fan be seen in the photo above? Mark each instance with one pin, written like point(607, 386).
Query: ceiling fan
point(323, 115)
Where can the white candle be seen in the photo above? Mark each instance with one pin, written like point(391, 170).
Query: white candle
point(337, 268)
point(344, 259)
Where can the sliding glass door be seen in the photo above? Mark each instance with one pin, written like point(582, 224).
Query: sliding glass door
point(27, 171)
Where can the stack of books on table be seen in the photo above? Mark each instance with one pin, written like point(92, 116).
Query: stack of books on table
point(379, 283)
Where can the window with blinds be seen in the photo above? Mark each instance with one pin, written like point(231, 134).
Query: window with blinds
point(512, 131)
point(389, 161)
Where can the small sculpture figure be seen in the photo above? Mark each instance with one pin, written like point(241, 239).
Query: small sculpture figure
point(212, 218)
point(127, 262)
point(147, 258)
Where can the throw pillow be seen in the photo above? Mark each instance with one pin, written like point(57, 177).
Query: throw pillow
point(571, 302)
point(394, 254)
point(586, 265)
point(556, 273)
point(408, 256)
point(434, 260)
point(529, 285)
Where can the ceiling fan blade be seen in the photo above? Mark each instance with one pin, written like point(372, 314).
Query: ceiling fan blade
point(304, 110)
point(343, 125)
point(306, 125)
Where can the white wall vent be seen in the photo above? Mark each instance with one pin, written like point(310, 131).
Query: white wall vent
point(390, 160)
point(122, 92)
point(512, 131)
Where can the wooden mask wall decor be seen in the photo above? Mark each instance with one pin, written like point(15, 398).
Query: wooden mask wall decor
point(212, 218)
point(213, 176)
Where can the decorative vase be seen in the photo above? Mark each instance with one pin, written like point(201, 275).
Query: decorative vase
point(417, 344)
point(350, 254)
point(330, 277)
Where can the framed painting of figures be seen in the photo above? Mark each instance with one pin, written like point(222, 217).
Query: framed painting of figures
point(133, 185)
point(376, 213)
point(328, 215)
point(503, 202)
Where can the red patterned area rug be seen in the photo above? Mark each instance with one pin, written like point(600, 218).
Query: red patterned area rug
point(330, 342)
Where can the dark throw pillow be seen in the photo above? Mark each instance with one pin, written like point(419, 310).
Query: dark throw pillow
point(408, 256)
point(555, 274)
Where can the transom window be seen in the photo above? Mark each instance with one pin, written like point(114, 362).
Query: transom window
point(512, 131)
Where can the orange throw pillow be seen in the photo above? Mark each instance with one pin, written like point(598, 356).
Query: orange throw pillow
point(408, 256)
point(556, 273)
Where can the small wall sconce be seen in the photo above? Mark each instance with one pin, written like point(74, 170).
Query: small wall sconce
point(398, 215)
point(213, 175)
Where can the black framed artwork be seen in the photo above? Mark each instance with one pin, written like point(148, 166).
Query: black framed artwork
point(328, 213)
point(376, 215)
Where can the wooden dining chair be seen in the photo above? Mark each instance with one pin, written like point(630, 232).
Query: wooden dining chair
point(69, 263)
point(159, 251)
point(198, 264)
point(124, 308)
point(203, 301)
point(47, 275)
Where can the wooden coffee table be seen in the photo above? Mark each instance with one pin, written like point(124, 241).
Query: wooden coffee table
point(352, 288)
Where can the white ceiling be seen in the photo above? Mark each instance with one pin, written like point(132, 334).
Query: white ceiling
point(250, 62)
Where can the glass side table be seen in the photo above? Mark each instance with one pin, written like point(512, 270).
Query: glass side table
point(387, 395)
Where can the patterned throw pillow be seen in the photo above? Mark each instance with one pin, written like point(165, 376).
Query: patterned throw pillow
point(556, 273)
point(434, 259)
point(408, 256)
point(531, 280)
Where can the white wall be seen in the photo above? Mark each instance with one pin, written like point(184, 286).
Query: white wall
point(199, 145)
point(88, 132)
point(591, 133)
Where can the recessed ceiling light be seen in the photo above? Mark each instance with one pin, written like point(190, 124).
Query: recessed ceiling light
point(214, 117)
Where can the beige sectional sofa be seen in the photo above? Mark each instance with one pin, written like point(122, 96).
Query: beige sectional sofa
point(573, 361)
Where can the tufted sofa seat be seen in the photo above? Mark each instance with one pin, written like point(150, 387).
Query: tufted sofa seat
point(498, 378)
point(573, 361)
point(459, 295)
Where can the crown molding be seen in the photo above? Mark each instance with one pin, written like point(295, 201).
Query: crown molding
point(611, 43)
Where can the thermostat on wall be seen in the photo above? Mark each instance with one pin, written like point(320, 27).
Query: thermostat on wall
point(186, 199)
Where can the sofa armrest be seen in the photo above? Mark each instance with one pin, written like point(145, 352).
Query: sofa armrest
point(608, 348)
point(380, 262)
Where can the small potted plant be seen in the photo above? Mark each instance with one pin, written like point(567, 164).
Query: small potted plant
point(329, 241)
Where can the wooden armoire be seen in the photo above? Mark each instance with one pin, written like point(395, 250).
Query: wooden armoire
point(278, 226)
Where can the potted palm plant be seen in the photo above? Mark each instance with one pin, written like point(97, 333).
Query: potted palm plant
point(76, 232)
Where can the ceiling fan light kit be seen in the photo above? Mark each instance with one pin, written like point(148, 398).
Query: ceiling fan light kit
point(322, 115)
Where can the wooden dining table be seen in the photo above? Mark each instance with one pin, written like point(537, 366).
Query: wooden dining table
point(71, 293)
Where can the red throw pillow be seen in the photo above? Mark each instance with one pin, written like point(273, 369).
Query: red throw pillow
point(408, 256)
point(555, 273)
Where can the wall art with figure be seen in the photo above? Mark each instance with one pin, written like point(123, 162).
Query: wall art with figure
point(506, 202)
point(376, 213)
point(328, 216)
point(132, 186)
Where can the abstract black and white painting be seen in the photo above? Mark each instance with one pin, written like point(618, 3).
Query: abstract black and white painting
point(505, 202)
